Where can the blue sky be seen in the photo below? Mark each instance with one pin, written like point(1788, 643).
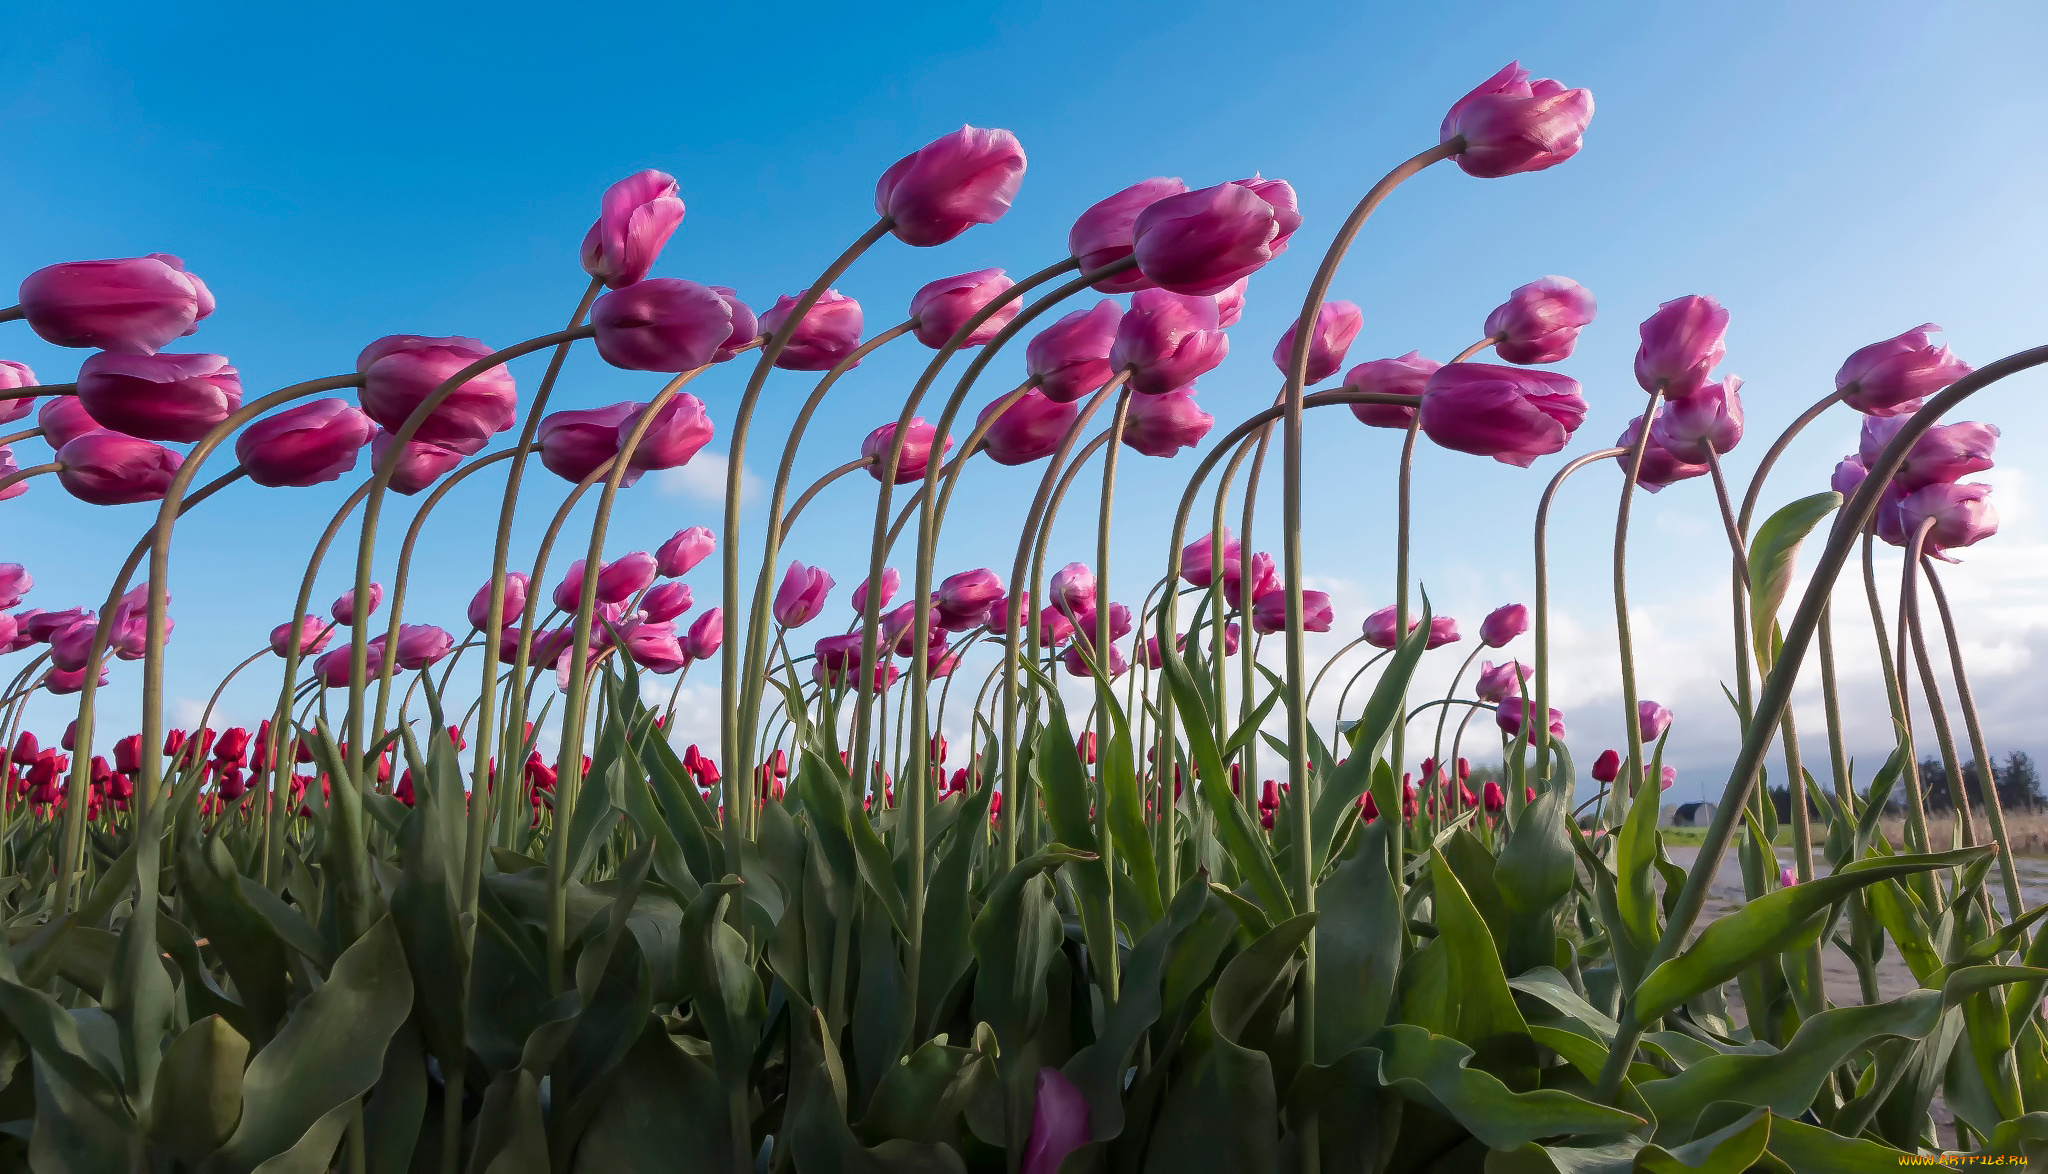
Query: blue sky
point(1834, 173)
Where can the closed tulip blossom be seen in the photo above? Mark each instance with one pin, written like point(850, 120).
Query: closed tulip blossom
point(662, 324)
point(1540, 322)
point(1947, 452)
point(1168, 340)
point(1961, 514)
point(8, 468)
point(681, 429)
point(1269, 612)
point(684, 550)
point(665, 601)
point(891, 580)
point(1070, 358)
point(517, 584)
point(635, 219)
point(746, 328)
point(402, 371)
point(1102, 235)
point(1264, 578)
point(943, 307)
point(108, 468)
point(345, 610)
point(134, 305)
point(963, 600)
point(314, 633)
point(1230, 303)
point(655, 646)
point(1652, 720)
point(1407, 375)
point(1508, 413)
point(1511, 124)
point(1498, 682)
point(13, 376)
point(915, 457)
point(15, 582)
point(706, 633)
point(1202, 242)
point(1706, 423)
point(1162, 425)
point(617, 581)
point(63, 419)
point(418, 466)
point(420, 645)
point(1607, 767)
point(333, 669)
point(159, 397)
point(1503, 624)
point(950, 185)
point(802, 595)
point(1379, 629)
point(824, 337)
point(63, 684)
point(1027, 430)
point(39, 625)
point(577, 442)
point(1848, 475)
point(1077, 656)
point(1885, 378)
point(305, 445)
point(1515, 715)
point(1337, 324)
point(1072, 590)
point(1682, 343)
point(1659, 467)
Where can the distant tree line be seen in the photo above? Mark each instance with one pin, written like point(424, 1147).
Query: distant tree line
point(2017, 780)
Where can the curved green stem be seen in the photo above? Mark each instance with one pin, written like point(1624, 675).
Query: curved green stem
point(1539, 734)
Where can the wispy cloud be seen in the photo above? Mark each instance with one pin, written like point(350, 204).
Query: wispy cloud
point(703, 479)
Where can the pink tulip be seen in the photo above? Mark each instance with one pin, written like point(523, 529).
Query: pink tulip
point(344, 609)
point(1962, 516)
point(1540, 322)
point(891, 580)
point(305, 445)
point(685, 549)
point(897, 634)
point(1786, 877)
point(333, 669)
point(15, 582)
point(1337, 323)
point(635, 219)
point(665, 601)
point(40, 625)
point(1659, 467)
point(1167, 341)
point(681, 428)
point(617, 581)
point(1028, 430)
point(1230, 303)
point(943, 307)
point(950, 185)
point(1510, 124)
point(63, 684)
point(14, 376)
point(63, 419)
point(576, 443)
point(135, 305)
point(1070, 358)
point(1075, 658)
point(802, 595)
point(1269, 612)
point(916, 453)
point(662, 324)
point(1652, 720)
point(1286, 208)
point(1508, 413)
point(159, 397)
point(1497, 682)
point(1102, 235)
point(1946, 452)
point(746, 328)
point(828, 332)
point(963, 600)
point(839, 653)
point(1711, 416)
point(1379, 629)
point(1682, 343)
point(704, 636)
point(420, 645)
point(1072, 590)
point(1503, 624)
point(1162, 425)
point(1197, 556)
point(1201, 242)
point(420, 465)
point(1264, 579)
point(883, 676)
point(517, 584)
point(1884, 378)
point(401, 371)
point(1514, 715)
point(8, 468)
point(1407, 375)
point(653, 645)
point(1848, 476)
point(108, 468)
point(1059, 1123)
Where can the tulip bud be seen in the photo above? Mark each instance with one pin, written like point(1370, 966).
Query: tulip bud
point(418, 466)
point(963, 601)
point(1507, 413)
point(665, 601)
point(916, 453)
point(1885, 378)
point(950, 185)
point(802, 595)
point(8, 468)
point(15, 582)
point(1337, 323)
point(63, 419)
point(576, 443)
point(1682, 343)
point(135, 305)
point(654, 646)
point(637, 216)
point(1944, 453)
point(1652, 720)
point(704, 636)
point(108, 468)
point(1515, 714)
point(827, 334)
point(1510, 124)
point(516, 583)
point(1070, 358)
point(1607, 767)
point(1102, 235)
point(1264, 579)
point(1197, 558)
point(685, 549)
point(1497, 682)
point(1659, 468)
point(1029, 429)
point(1503, 624)
point(1162, 425)
point(1167, 341)
point(305, 445)
point(1203, 241)
point(420, 645)
point(890, 582)
point(1407, 375)
point(14, 376)
point(314, 633)
point(345, 611)
point(1708, 418)
point(1540, 322)
point(662, 324)
point(943, 307)
point(401, 371)
point(1786, 878)
point(1072, 590)
point(1379, 629)
point(1848, 475)
point(1962, 516)
point(1269, 612)
point(680, 428)
point(159, 397)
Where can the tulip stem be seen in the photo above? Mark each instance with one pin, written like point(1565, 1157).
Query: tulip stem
point(1539, 735)
point(1910, 633)
point(1895, 692)
point(950, 474)
point(12, 314)
point(817, 487)
point(24, 434)
point(39, 390)
point(1475, 348)
point(1633, 770)
point(1316, 682)
point(13, 479)
point(1987, 781)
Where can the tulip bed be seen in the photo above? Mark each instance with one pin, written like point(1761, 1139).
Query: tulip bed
point(389, 931)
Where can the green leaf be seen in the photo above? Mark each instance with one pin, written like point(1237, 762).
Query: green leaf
point(198, 1097)
point(1240, 837)
point(724, 990)
point(1124, 807)
point(1385, 707)
point(1431, 1070)
point(947, 914)
point(1771, 555)
point(1015, 936)
point(1732, 1149)
point(1358, 946)
point(1809, 1149)
point(247, 944)
point(1483, 1011)
point(662, 1109)
point(828, 803)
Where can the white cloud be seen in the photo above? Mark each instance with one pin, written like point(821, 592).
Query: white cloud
point(704, 479)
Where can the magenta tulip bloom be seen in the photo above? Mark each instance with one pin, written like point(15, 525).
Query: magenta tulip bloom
point(662, 324)
point(420, 465)
point(63, 419)
point(1070, 358)
point(39, 625)
point(1286, 208)
point(63, 684)
point(305, 445)
point(1264, 579)
point(1230, 303)
point(896, 633)
point(1379, 629)
point(14, 376)
point(420, 645)
point(1503, 624)
point(1507, 413)
point(401, 371)
point(1947, 452)
point(1511, 124)
point(702, 640)
point(1269, 612)
point(576, 443)
point(654, 646)
point(1407, 375)
point(159, 397)
point(891, 581)
point(1203, 241)
point(1682, 343)
point(617, 581)
point(827, 334)
point(1515, 715)
point(517, 584)
point(1848, 476)
point(1337, 323)
point(802, 595)
point(665, 601)
point(314, 633)
point(1075, 658)
point(1540, 322)
point(1652, 720)
point(963, 600)
point(950, 185)
point(1162, 425)
point(8, 468)
point(1659, 467)
point(15, 582)
point(1497, 682)
point(746, 328)
point(916, 454)
point(1961, 515)
point(1607, 767)
point(1197, 556)
point(1102, 235)
point(1884, 378)
point(1708, 419)
point(108, 468)
point(685, 549)
point(680, 429)
point(333, 669)
point(944, 306)
point(135, 305)
point(635, 219)
point(346, 613)
point(1059, 1123)
point(1072, 590)
point(1028, 430)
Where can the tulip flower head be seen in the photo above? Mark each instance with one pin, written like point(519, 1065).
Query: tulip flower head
point(1515, 714)
point(63, 419)
point(1512, 123)
point(1070, 358)
point(418, 466)
point(345, 610)
point(950, 185)
point(663, 324)
point(1269, 612)
point(1707, 422)
point(13, 376)
point(916, 453)
point(680, 429)
point(1944, 453)
point(1682, 344)
point(1659, 467)
point(1072, 590)
point(1162, 425)
point(1380, 626)
point(1337, 324)
point(1102, 235)
point(684, 550)
point(1652, 720)
point(802, 595)
point(108, 468)
point(1197, 558)
point(420, 645)
point(15, 582)
point(314, 633)
point(827, 334)
point(1540, 322)
point(1498, 682)
point(665, 601)
point(305, 445)
point(635, 219)
point(1511, 414)
point(157, 396)
point(943, 308)
point(1202, 242)
point(963, 601)
point(1959, 513)
point(1029, 429)
point(891, 580)
point(702, 640)
point(134, 305)
point(402, 371)
point(1406, 375)
point(516, 586)
point(1503, 624)
point(1885, 378)
point(578, 442)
